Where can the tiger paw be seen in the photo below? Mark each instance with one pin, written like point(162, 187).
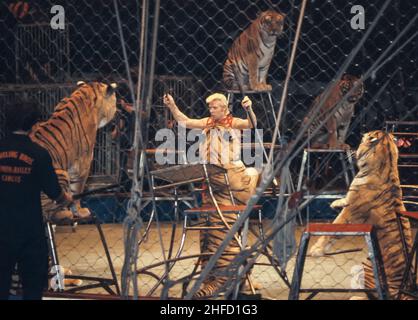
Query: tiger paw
point(237, 87)
point(262, 87)
point(358, 298)
point(343, 146)
point(73, 282)
point(83, 213)
point(340, 203)
point(319, 146)
point(62, 215)
point(256, 285)
point(316, 251)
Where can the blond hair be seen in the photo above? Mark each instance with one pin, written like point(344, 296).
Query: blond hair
point(217, 96)
point(221, 97)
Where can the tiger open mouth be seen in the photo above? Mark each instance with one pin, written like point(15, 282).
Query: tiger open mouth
point(277, 32)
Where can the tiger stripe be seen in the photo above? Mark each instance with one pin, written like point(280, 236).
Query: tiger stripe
point(374, 197)
point(341, 117)
point(242, 186)
point(69, 134)
point(251, 53)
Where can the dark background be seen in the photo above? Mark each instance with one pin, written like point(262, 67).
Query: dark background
point(194, 36)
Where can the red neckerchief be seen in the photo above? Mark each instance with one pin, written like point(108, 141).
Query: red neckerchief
point(224, 122)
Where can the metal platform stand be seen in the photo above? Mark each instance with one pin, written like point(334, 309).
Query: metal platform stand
point(409, 286)
point(188, 197)
point(174, 177)
point(204, 225)
point(105, 283)
point(328, 229)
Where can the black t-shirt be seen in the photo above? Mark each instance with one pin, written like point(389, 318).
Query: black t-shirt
point(126, 134)
point(25, 170)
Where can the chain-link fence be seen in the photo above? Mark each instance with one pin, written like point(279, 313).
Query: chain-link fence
point(180, 47)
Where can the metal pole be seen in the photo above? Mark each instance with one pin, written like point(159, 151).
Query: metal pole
point(286, 82)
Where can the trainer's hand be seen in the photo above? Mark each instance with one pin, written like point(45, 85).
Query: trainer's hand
point(128, 107)
point(168, 100)
point(246, 103)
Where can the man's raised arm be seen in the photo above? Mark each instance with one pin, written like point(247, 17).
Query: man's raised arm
point(245, 123)
point(180, 117)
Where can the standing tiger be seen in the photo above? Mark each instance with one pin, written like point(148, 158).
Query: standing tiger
point(250, 56)
point(69, 136)
point(333, 133)
point(374, 197)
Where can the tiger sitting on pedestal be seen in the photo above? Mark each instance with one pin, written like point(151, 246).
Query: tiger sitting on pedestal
point(333, 132)
point(69, 136)
point(251, 53)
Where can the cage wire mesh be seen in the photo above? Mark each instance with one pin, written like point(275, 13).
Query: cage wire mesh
point(193, 39)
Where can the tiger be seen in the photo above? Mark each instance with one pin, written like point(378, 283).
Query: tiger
point(333, 133)
point(374, 197)
point(250, 55)
point(69, 136)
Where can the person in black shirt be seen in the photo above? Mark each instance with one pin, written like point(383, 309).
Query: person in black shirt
point(25, 171)
point(123, 130)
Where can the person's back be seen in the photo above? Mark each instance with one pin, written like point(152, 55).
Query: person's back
point(25, 171)
point(23, 175)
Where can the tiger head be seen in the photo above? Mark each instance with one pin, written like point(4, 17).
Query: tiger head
point(376, 151)
point(272, 22)
point(105, 103)
point(349, 81)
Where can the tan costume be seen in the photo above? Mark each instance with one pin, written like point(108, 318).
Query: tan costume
point(221, 147)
